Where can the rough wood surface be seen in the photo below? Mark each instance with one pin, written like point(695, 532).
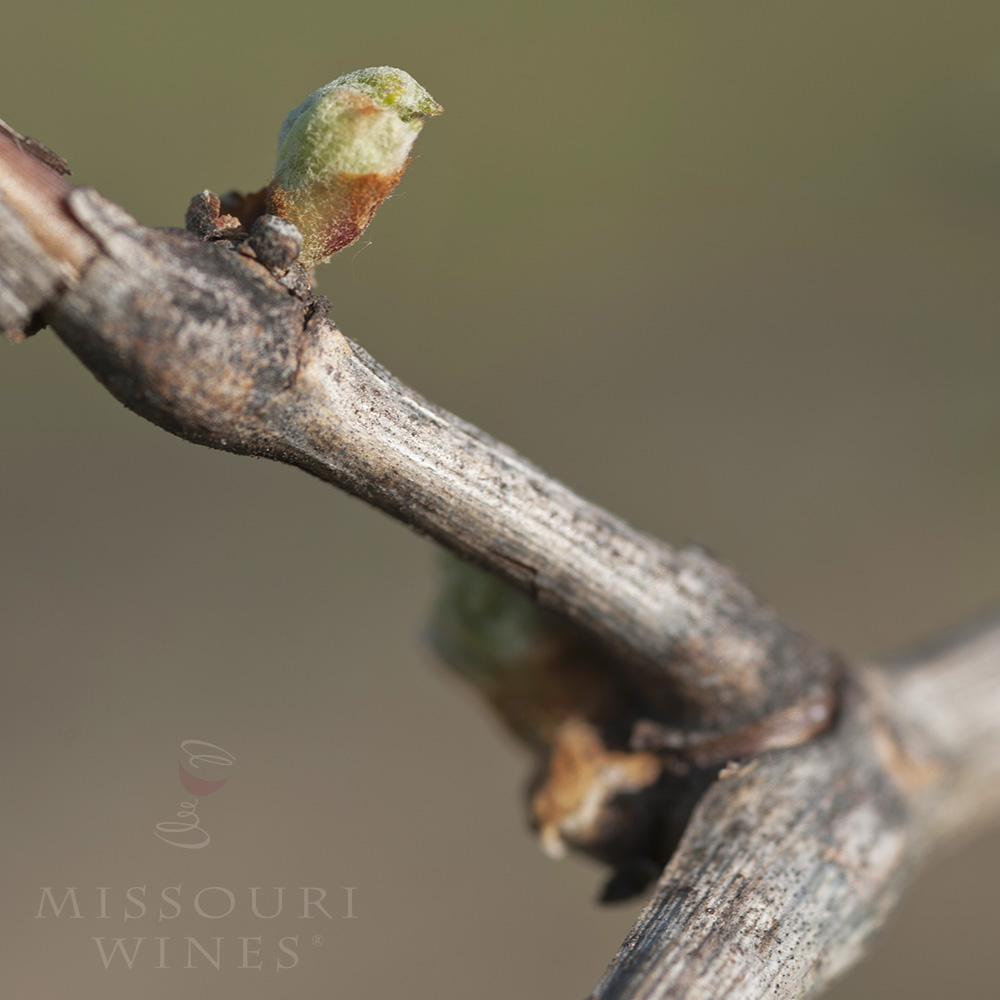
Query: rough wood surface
point(203, 340)
point(40, 257)
point(793, 858)
point(944, 703)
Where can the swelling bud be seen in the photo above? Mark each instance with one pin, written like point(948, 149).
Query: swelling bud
point(340, 154)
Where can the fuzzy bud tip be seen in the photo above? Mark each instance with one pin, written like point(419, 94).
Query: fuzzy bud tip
point(342, 151)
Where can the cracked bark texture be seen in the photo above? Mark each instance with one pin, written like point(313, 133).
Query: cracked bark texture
point(794, 857)
point(793, 860)
point(207, 343)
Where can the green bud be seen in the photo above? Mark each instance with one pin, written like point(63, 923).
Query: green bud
point(528, 664)
point(482, 627)
point(342, 151)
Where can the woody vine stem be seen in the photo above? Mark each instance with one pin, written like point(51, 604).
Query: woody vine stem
point(835, 778)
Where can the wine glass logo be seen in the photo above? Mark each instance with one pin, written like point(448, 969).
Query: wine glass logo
point(194, 750)
point(186, 831)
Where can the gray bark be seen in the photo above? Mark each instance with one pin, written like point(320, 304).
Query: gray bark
point(793, 860)
point(206, 342)
point(848, 776)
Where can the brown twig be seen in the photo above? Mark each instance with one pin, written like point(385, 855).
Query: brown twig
point(794, 858)
point(206, 342)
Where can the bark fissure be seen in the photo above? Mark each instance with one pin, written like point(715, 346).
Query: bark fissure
point(794, 856)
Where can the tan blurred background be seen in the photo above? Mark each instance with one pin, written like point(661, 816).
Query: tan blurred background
point(729, 269)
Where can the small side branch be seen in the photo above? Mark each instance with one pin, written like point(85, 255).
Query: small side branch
point(945, 707)
point(794, 857)
point(793, 860)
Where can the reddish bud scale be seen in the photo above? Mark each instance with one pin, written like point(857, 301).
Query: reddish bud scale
point(333, 212)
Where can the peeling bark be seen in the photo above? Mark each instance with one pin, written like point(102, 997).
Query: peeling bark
point(795, 855)
point(201, 339)
point(793, 860)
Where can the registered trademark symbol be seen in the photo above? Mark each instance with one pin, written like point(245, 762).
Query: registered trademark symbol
point(317, 939)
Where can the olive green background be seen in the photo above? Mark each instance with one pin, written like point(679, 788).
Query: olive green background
point(728, 269)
